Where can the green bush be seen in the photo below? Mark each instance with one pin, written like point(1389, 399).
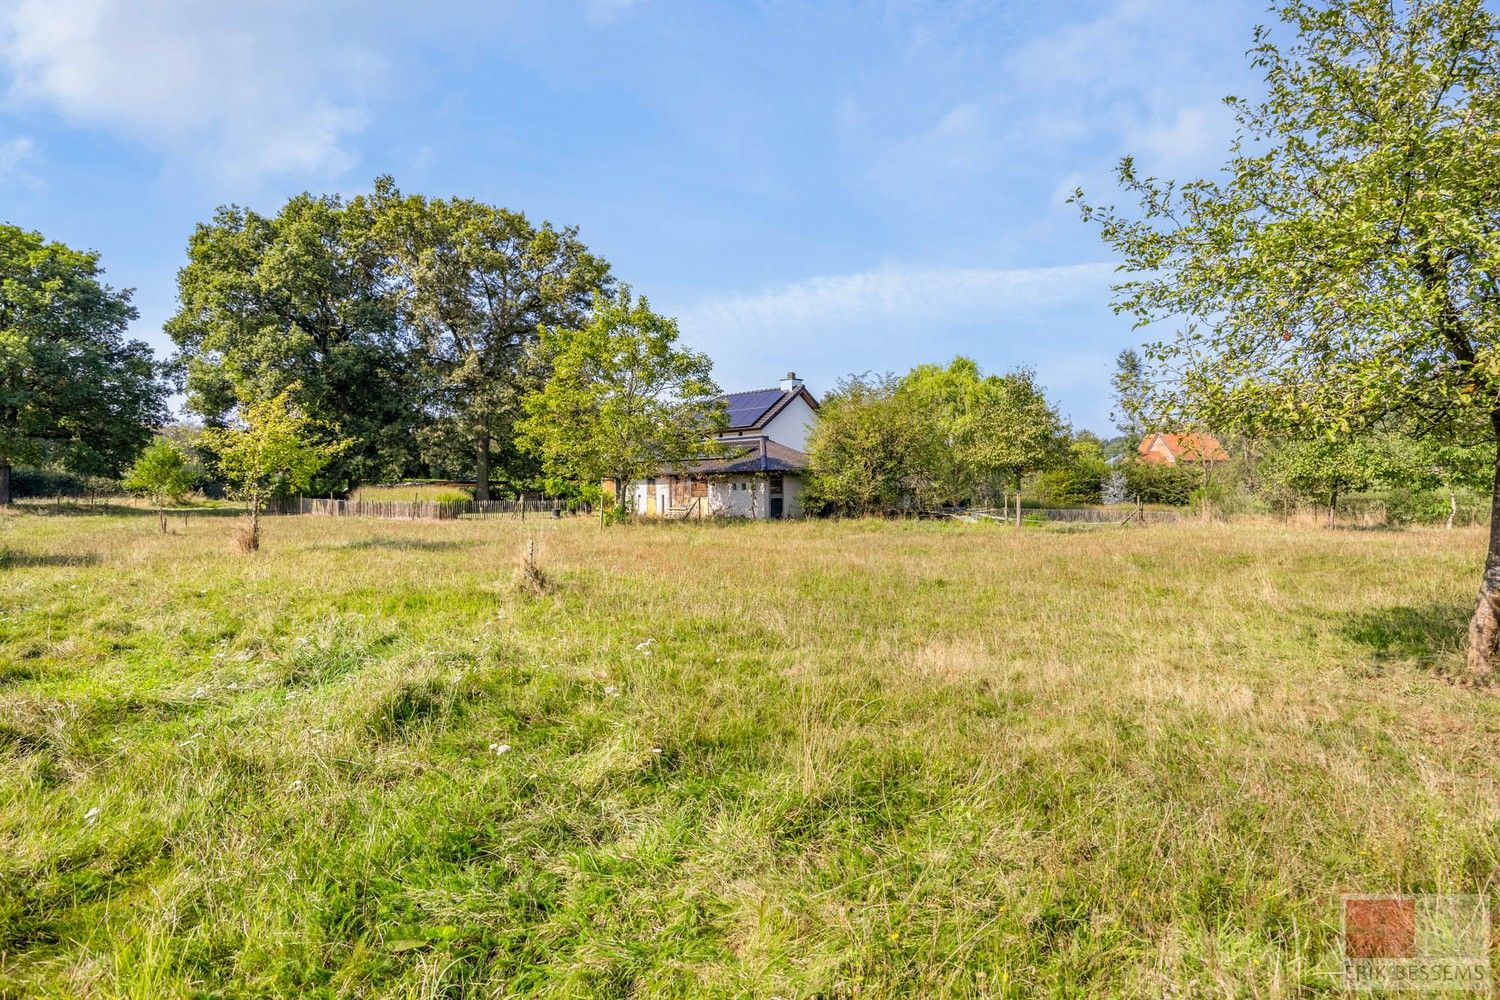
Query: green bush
point(1073, 485)
point(1222, 498)
point(1149, 482)
point(32, 482)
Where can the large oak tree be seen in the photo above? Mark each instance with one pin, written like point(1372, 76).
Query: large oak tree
point(1344, 268)
point(73, 390)
point(476, 284)
point(300, 298)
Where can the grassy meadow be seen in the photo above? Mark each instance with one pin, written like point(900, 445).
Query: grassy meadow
point(856, 759)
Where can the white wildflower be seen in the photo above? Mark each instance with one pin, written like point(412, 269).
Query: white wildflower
point(656, 749)
point(91, 815)
point(645, 647)
point(295, 784)
point(499, 748)
point(611, 690)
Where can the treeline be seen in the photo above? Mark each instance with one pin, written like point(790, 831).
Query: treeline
point(416, 337)
point(950, 438)
point(935, 437)
point(1387, 473)
point(407, 325)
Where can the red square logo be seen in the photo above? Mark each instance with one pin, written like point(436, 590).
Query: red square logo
point(1380, 928)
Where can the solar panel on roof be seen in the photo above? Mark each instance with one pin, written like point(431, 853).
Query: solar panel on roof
point(745, 408)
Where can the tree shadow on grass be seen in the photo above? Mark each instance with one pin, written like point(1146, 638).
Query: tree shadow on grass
point(105, 508)
point(1431, 636)
point(12, 559)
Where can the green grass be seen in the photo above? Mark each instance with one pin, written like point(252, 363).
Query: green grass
point(837, 759)
point(415, 491)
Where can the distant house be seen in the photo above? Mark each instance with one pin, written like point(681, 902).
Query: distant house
point(761, 471)
point(1170, 449)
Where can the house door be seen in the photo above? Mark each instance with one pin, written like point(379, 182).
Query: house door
point(776, 496)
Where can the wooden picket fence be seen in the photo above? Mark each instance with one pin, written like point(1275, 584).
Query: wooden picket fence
point(412, 510)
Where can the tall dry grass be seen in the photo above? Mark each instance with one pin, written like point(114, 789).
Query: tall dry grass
point(856, 759)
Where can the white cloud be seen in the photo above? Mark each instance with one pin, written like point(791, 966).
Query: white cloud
point(907, 296)
point(1146, 75)
point(16, 154)
point(1192, 138)
point(891, 318)
point(252, 89)
point(607, 11)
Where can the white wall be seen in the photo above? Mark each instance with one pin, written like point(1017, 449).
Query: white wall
point(791, 491)
point(792, 425)
point(724, 498)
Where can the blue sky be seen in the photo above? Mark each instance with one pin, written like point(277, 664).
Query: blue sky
point(833, 187)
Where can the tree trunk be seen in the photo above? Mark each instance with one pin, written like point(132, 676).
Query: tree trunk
point(1018, 500)
point(1484, 627)
point(1452, 508)
point(255, 526)
point(4, 484)
point(161, 518)
point(1333, 499)
point(482, 467)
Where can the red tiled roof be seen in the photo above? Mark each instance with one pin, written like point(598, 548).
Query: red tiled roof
point(1184, 448)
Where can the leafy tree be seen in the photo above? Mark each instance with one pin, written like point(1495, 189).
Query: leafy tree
point(163, 475)
point(935, 401)
point(1323, 469)
point(973, 432)
point(1156, 482)
point(1011, 430)
point(73, 391)
point(623, 398)
point(273, 452)
point(1132, 395)
point(476, 285)
point(864, 449)
point(1079, 478)
point(1343, 269)
point(1447, 466)
point(300, 299)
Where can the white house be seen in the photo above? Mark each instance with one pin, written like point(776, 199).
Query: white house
point(759, 475)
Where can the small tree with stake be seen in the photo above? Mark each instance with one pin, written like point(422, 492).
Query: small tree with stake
point(162, 475)
point(272, 453)
point(1345, 267)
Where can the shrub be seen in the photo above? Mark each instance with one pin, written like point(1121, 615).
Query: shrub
point(1150, 482)
point(34, 482)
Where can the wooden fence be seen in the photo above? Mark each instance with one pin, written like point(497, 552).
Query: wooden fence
point(515, 508)
point(413, 510)
point(1108, 516)
point(1090, 515)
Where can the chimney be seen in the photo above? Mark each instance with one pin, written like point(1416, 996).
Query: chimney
point(790, 382)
